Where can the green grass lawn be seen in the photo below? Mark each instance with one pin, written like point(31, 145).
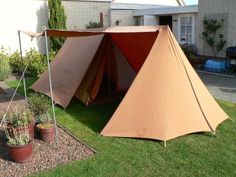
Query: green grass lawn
point(201, 154)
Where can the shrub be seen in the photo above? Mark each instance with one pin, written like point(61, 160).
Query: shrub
point(94, 25)
point(5, 70)
point(16, 62)
point(37, 62)
point(211, 36)
point(57, 20)
point(38, 104)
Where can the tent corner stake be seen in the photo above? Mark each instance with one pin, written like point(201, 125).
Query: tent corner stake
point(165, 143)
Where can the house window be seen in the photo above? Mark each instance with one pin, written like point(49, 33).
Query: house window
point(186, 27)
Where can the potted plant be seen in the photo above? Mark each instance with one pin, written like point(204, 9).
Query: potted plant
point(17, 121)
point(19, 145)
point(38, 104)
point(46, 128)
point(190, 52)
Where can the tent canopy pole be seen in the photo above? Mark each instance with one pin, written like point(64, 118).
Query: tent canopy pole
point(21, 55)
point(50, 86)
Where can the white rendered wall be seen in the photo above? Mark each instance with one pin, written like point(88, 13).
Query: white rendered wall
point(124, 18)
point(150, 20)
point(80, 13)
point(28, 15)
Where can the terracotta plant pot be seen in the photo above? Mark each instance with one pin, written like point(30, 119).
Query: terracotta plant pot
point(47, 133)
point(21, 129)
point(22, 153)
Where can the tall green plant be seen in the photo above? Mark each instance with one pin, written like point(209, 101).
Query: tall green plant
point(57, 20)
point(4, 64)
point(211, 36)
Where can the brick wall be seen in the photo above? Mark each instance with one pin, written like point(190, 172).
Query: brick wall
point(80, 13)
point(125, 17)
point(217, 9)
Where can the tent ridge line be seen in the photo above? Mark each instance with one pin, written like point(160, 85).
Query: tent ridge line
point(195, 94)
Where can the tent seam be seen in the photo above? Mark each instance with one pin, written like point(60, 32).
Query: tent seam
point(194, 92)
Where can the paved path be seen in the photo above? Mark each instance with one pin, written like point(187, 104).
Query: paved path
point(6, 97)
point(221, 87)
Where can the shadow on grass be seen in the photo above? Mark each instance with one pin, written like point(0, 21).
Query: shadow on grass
point(95, 116)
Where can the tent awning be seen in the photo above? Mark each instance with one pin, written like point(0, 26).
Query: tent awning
point(95, 31)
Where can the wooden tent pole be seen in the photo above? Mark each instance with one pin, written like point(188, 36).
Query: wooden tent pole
point(50, 86)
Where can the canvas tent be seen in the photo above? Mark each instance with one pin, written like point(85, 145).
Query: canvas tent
point(166, 98)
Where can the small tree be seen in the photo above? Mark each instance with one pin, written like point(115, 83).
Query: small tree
point(57, 20)
point(210, 35)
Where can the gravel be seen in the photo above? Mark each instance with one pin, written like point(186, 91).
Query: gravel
point(45, 155)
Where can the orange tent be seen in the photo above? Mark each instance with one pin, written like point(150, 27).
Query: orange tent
point(166, 98)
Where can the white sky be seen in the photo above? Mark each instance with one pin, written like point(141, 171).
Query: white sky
point(159, 2)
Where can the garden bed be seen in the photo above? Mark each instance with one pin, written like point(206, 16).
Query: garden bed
point(45, 155)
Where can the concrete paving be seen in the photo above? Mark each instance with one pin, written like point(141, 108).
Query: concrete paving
point(220, 86)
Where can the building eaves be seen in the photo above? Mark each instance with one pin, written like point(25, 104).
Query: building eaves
point(167, 10)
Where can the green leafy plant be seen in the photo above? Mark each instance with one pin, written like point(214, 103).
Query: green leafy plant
point(94, 25)
point(20, 118)
point(19, 138)
point(37, 62)
point(57, 20)
point(211, 36)
point(38, 104)
point(5, 69)
point(44, 118)
point(16, 62)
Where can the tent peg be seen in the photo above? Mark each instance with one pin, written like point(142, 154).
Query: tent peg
point(165, 143)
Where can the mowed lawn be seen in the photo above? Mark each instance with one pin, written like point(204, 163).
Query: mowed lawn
point(200, 154)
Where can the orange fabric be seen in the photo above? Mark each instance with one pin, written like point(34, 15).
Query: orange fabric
point(69, 68)
point(90, 85)
point(125, 73)
point(92, 32)
point(135, 46)
point(88, 89)
point(167, 99)
point(100, 73)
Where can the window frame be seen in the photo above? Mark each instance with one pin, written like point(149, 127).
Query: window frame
point(193, 27)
